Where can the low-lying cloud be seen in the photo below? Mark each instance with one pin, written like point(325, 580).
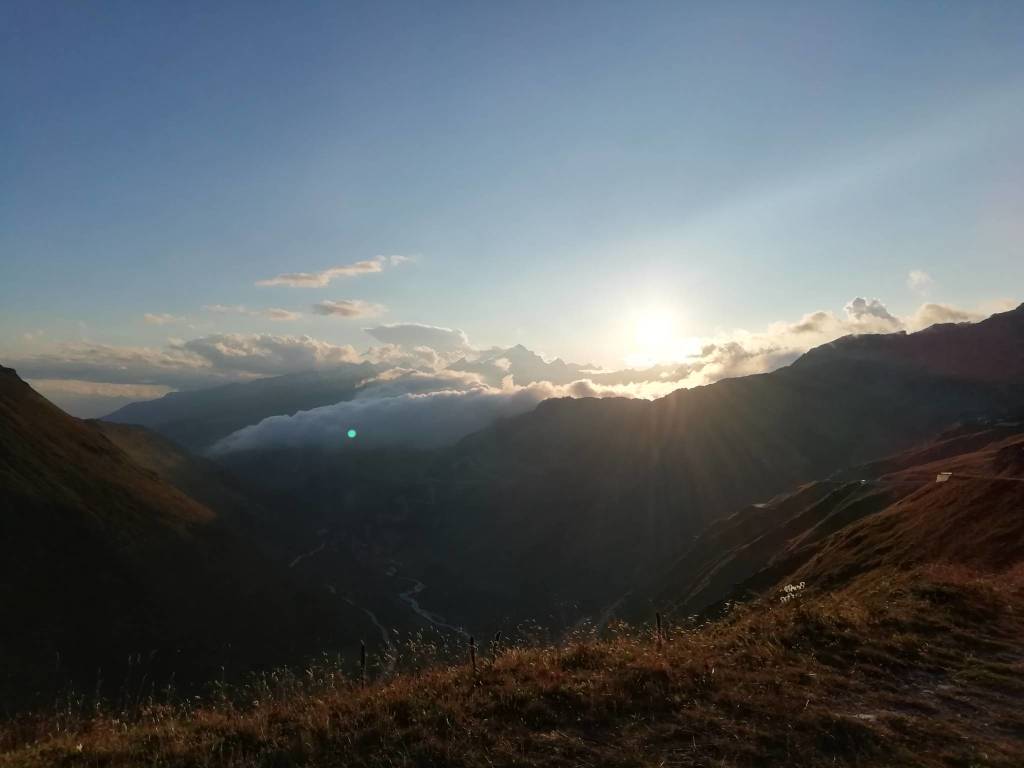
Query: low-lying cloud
point(931, 314)
point(416, 420)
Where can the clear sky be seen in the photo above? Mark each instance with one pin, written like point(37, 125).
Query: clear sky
point(552, 169)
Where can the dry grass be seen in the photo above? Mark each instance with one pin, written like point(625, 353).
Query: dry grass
point(918, 669)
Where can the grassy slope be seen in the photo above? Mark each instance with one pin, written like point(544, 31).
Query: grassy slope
point(759, 545)
point(918, 668)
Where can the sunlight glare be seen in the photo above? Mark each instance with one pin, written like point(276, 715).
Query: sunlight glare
point(656, 339)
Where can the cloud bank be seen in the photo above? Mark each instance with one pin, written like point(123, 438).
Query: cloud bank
point(198, 362)
point(386, 418)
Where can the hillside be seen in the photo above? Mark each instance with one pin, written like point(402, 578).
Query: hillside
point(886, 513)
point(196, 477)
point(102, 559)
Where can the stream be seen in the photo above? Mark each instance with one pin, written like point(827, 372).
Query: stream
point(409, 598)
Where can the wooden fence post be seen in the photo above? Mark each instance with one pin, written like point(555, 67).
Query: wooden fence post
point(362, 662)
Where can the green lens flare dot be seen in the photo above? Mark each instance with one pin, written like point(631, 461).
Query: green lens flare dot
point(352, 434)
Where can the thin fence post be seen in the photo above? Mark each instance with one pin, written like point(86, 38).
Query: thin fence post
point(657, 618)
point(362, 663)
point(472, 652)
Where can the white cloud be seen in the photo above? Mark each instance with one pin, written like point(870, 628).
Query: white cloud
point(399, 381)
point(324, 277)
point(347, 308)
point(267, 354)
point(396, 413)
point(198, 362)
point(161, 318)
point(919, 281)
point(872, 316)
point(271, 313)
point(412, 335)
point(418, 358)
point(930, 314)
point(419, 420)
point(86, 361)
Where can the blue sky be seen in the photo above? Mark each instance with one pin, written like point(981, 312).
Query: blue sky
point(555, 169)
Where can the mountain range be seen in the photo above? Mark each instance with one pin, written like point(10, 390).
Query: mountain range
point(559, 512)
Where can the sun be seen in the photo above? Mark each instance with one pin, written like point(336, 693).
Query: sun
point(654, 329)
point(654, 337)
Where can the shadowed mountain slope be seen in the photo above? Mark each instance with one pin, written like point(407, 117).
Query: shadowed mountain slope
point(102, 559)
point(895, 515)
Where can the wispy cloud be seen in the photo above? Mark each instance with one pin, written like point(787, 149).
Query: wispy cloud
point(919, 281)
point(347, 308)
point(271, 313)
point(324, 277)
point(161, 318)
